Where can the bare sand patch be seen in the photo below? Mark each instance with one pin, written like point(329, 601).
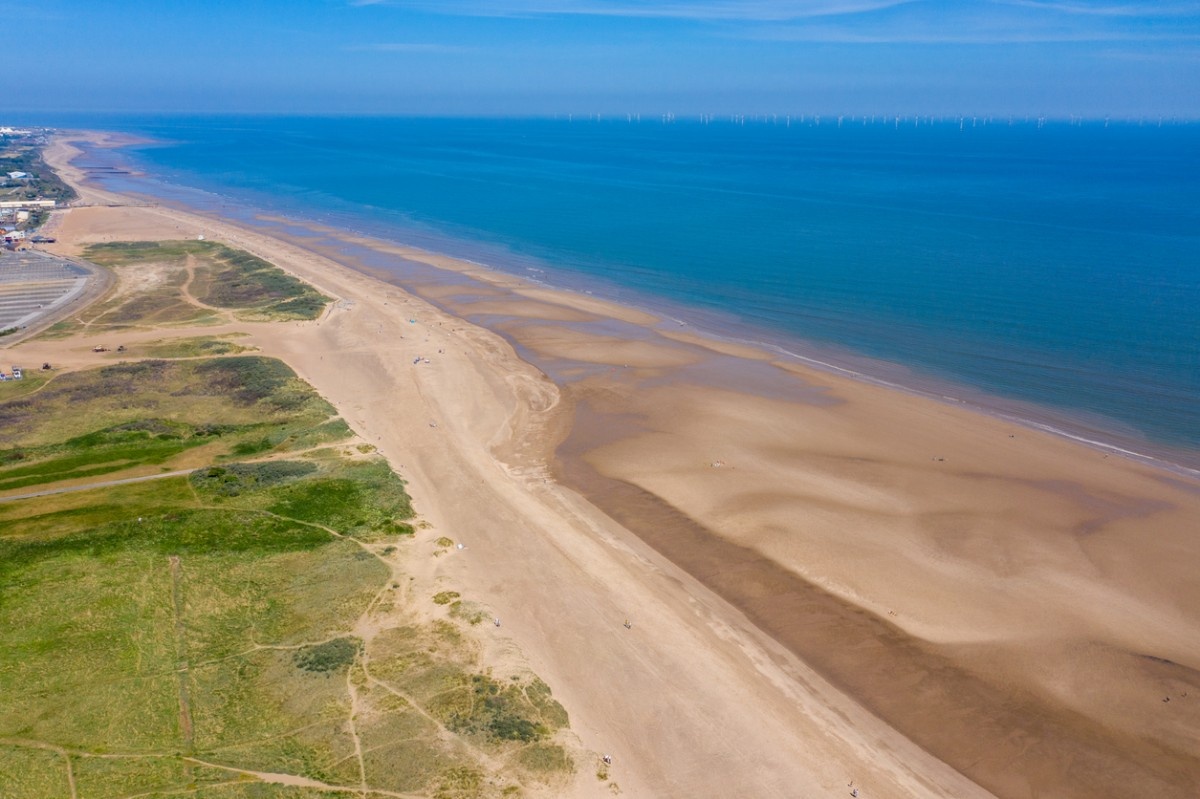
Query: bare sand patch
point(98, 224)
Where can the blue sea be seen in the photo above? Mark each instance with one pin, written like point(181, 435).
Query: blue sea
point(1049, 266)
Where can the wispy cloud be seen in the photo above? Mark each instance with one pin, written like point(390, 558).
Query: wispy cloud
point(406, 47)
point(968, 22)
point(841, 35)
point(699, 10)
point(986, 22)
point(1162, 8)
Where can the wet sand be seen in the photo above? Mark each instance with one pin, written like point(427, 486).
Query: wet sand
point(826, 577)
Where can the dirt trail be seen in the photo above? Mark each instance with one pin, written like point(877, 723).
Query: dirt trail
point(181, 654)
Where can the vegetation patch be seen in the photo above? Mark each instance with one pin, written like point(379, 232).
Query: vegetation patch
point(152, 414)
point(459, 783)
point(144, 622)
point(360, 498)
point(250, 379)
point(470, 612)
point(236, 478)
point(484, 706)
point(545, 758)
point(445, 597)
point(197, 347)
point(330, 656)
point(223, 277)
point(27, 773)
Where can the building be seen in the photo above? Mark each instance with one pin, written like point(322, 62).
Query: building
point(28, 204)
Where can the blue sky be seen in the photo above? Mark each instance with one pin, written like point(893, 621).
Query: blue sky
point(536, 57)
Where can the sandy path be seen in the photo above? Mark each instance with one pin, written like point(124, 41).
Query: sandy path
point(181, 653)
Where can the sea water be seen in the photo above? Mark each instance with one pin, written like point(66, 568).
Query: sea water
point(1053, 264)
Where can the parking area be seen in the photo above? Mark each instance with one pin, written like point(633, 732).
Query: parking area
point(33, 284)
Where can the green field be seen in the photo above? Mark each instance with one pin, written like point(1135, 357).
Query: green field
point(239, 623)
point(150, 416)
point(194, 347)
point(222, 277)
point(193, 635)
point(168, 284)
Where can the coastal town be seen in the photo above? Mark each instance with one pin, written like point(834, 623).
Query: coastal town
point(29, 190)
point(35, 285)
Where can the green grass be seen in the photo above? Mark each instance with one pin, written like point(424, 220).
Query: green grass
point(64, 328)
point(31, 774)
point(232, 593)
point(32, 380)
point(330, 656)
point(545, 758)
point(438, 667)
point(105, 777)
point(196, 347)
point(224, 277)
point(152, 413)
point(364, 499)
point(236, 478)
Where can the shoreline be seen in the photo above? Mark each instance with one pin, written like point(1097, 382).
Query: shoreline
point(1104, 433)
point(831, 493)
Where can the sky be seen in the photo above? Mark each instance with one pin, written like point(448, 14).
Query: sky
point(1054, 58)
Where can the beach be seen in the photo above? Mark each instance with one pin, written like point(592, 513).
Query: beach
point(825, 580)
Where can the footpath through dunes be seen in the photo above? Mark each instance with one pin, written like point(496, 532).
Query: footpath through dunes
point(233, 599)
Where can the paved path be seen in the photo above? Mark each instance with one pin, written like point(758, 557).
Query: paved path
point(90, 486)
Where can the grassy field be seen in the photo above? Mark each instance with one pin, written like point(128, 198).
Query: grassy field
point(194, 634)
point(244, 612)
point(220, 277)
point(150, 416)
point(172, 283)
point(195, 347)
